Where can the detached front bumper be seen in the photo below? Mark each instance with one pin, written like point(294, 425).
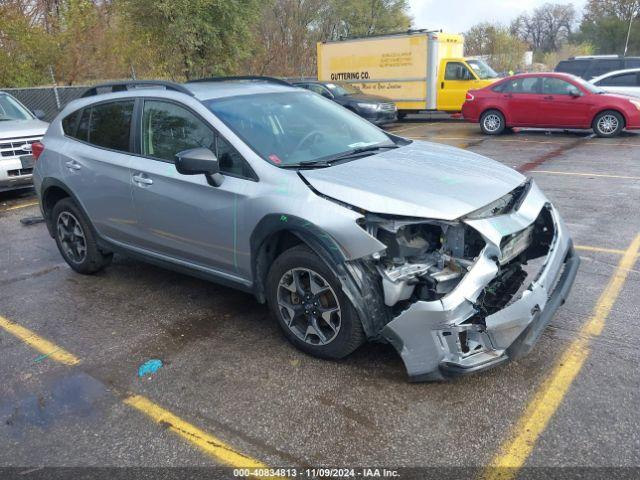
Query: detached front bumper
point(446, 337)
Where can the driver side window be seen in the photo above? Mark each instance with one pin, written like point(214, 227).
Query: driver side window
point(457, 71)
point(168, 129)
point(556, 86)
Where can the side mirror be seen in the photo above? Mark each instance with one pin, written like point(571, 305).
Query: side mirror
point(575, 92)
point(200, 161)
point(327, 94)
point(39, 114)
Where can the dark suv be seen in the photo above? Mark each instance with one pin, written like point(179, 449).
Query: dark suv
point(376, 109)
point(589, 67)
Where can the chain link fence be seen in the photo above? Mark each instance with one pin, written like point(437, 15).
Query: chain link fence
point(51, 100)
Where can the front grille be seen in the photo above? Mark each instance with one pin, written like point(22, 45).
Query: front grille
point(13, 147)
point(387, 107)
point(20, 172)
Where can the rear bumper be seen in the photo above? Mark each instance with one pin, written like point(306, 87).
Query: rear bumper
point(438, 339)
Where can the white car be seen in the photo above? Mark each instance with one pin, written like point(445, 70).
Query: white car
point(626, 82)
point(19, 128)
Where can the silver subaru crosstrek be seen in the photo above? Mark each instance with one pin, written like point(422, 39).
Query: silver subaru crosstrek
point(347, 232)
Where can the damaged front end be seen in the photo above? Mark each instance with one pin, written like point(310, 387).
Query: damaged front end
point(469, 294)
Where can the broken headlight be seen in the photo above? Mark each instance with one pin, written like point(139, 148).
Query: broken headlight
point(505, 204)
point(424, 259)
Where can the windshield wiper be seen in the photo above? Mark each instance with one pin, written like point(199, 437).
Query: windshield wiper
point(331, 160)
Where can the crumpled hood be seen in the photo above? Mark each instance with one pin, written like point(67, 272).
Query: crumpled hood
point(426, 180)
point(22, 128)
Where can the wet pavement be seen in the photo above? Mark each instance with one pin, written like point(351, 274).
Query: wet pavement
point(229, 370)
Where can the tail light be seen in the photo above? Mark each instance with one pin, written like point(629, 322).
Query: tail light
point(469, 98)
point(36, 150)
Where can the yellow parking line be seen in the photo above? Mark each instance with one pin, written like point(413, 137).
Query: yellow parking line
point(208, 443)
point(16, 207)
point(45, 347)
point(515, 451)
point(580, 174)
point(599, 249)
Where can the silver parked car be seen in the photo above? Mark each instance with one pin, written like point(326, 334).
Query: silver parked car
point(626, 82)
point(19, 128)
point(347, 232)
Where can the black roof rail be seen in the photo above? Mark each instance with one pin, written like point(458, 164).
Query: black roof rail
point(279, 81)
point(125, 85)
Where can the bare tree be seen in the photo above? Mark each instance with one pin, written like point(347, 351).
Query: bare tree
point(547, 27)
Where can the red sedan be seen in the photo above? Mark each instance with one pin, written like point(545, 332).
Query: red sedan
point(550, 100)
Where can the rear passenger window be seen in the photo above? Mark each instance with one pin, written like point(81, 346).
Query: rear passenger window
point(110, 125)
point(522, 85)
point(575, 67)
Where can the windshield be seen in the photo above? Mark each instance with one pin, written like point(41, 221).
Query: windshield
point(340, 89)
point(10, 109)
point(481, 69)
point(291, 128)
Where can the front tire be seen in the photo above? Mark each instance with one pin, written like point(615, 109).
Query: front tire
point(608, 124)
point(492, 122)
point(75, 239)
point(307, 300)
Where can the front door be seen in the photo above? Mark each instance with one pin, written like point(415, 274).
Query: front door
point(182, 216)
point(455, 80)
point(563, 104)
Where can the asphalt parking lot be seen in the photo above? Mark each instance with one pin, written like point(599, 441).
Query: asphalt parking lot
point(233, 391)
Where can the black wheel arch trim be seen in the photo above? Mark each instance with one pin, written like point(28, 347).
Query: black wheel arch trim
point(358, 281)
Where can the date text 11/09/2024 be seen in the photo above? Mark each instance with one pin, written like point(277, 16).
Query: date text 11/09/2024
point(316, 472)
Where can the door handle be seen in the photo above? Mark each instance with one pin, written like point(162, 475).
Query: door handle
point(508, 95)
point(73, 165)
point(142, 180)
point(548, 97)
point(442, 85)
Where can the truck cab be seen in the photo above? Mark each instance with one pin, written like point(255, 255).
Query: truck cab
point(456, 76)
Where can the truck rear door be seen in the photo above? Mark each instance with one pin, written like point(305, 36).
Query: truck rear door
point(455, 78)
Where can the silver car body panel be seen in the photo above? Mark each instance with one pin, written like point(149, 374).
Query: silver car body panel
point(184, 222)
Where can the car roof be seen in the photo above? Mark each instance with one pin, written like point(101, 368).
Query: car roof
point(566, 76)
point(616, 72)
point(231, 88)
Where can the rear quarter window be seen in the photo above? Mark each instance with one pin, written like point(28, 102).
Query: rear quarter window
point(70, 123)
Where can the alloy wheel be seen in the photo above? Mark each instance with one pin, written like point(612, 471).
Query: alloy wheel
point(492, 122)
point(309, 306)
point(71, 237)
point(607, 124)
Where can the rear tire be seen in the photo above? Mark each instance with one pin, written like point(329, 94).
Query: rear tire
point(492, 122)
point(323, 324)
point(75, 239)
point(608, 124)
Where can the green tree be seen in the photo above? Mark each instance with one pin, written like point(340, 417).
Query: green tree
point(605, 25)
point(194, 38)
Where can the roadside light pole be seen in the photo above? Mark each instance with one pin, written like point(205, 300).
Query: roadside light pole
point(634, 12)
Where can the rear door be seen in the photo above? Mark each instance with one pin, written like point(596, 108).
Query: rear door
point(183, 217)
point(522, 96)
point(559, 108)
point(96, 166)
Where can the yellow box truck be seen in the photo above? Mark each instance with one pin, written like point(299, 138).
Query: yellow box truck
point(419, 69)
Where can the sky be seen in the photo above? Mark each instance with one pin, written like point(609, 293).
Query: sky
point(455, 16)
